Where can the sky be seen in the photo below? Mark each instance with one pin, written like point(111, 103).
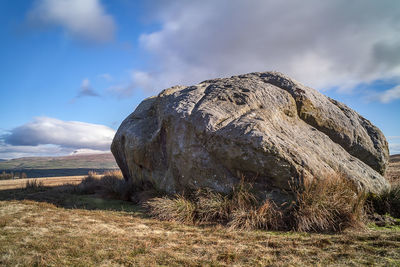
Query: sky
point(73, 70)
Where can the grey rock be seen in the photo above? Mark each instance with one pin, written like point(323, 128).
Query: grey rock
point(264, 127)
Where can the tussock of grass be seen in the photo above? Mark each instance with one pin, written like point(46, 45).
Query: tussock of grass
point(266, 217)
point(212, 206)
point(177, 209)
point(328, 205)
point(111, 184)
point(34, 184)
point(239, 210)
point(386, 203)
point(331, 204)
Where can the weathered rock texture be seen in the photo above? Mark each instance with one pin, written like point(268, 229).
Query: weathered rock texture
point(264, 126)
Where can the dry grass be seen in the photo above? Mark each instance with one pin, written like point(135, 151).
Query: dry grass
point(84, 230)
point(238, 210)
point(265, 217)
point(387, 202)
point(393, 171)
point(34, 184)
point(212, 206)
point(329, 205)
point(177, 209)
point(40, 234)
point(48, 181)
point(111, 184)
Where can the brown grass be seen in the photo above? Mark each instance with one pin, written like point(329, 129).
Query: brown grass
point(34, 184)
point(329, 205)
point(48, 181)
point(98, 233)
point(265, 217)
point(177, 209)
point(40, 234)
point(112, 185)
point(388, 202)
point(393, 171)
point(238, 210)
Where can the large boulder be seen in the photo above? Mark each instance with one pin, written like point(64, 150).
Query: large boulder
point(264, 127)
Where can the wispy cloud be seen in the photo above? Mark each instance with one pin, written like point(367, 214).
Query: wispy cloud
point(86, 89)
point(321, 43)
point(46, 135)
point(82, 19)
point(388, 95)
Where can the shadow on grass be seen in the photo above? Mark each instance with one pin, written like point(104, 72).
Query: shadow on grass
point(64, 196)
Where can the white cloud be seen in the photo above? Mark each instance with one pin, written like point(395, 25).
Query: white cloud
point(86, 89)
point(65, 134)
point(389, 95)
point(83, 19)
point(320, 43)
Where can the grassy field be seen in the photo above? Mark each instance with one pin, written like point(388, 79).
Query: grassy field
point(41, 234)
point(53, 226)
point(47, 181)
point(393, 172)
point(60, 166)
point(97, 161)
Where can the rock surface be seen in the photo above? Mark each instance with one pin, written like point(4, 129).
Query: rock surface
point(262, 126)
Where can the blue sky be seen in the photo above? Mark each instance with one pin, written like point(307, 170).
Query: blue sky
point(72, 70)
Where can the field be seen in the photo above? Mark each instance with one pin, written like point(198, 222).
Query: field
point(393, 172)
point(60, 166)
point(47, 181)
point(41, 234)
point(51, 225)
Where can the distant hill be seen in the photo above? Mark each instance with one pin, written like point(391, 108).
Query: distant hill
point(60, 166)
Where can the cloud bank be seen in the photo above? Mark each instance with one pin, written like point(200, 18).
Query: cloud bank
point(82, 19)
point(49, 136)
point(324, 44)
